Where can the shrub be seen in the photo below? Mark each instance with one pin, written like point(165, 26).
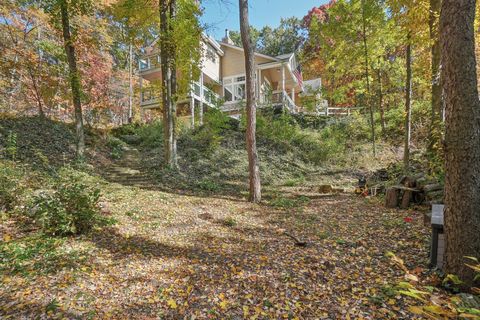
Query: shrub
point(71, 208)
point(151, 134)
point(126, 130)
point(208, 185)
point(10, 185)
point(208, 138)
point(116, 147)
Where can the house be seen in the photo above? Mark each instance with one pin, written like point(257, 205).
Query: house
point(222, 80)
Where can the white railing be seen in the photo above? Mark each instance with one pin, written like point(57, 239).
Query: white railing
point(148, 97)
point(337, 111)
point(209, 97)
point(149, 63)
point(282, 98)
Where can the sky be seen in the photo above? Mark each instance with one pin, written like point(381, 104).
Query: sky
point(223, 14)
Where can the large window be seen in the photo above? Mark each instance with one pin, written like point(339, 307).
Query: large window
point(234, 88)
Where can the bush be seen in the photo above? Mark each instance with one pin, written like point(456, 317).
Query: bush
point(208, 138)
point(151, 134)
point(71, 208)
point(116, 147)
point(10, 185)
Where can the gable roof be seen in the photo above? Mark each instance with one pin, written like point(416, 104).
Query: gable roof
point(205, 37)
point(241, 49)
point(285, 56)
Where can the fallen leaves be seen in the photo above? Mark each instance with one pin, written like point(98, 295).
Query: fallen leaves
point(168, 260)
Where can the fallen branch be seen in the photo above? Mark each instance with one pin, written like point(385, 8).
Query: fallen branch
point(298, 242)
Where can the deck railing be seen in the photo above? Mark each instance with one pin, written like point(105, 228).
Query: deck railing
point(149, 63)
point(148, 97)
point(209, 97)
point(282, 98)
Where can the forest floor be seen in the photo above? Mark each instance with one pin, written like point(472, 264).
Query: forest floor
point(177, 256)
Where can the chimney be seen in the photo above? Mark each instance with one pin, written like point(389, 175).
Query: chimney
point(227, 38)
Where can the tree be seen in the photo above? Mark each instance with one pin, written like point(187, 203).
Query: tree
point(168, 67)
point(179, 52)
point(462, 143)
point(253, 166)
point(408, 105)
point(286, 38)
point(367, 79)
point(436, 86)
point(75, 81)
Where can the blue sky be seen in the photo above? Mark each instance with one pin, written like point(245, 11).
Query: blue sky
point(223, 14)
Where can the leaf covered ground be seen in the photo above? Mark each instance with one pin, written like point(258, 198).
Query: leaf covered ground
point(172, 256)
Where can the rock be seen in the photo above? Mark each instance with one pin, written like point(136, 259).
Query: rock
point(326, 188)
point(104, 208)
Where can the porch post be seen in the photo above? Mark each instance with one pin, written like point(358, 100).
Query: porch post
point(293, 95)
point(200, 115)
point(192, 107)
point(259, 89)
point(142, 111)
point(283, 78)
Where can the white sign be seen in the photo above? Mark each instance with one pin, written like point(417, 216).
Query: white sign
point(437, 214)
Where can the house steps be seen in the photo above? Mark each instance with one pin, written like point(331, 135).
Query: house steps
point(128, 171)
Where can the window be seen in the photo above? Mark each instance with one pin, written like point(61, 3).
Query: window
point(234, 88)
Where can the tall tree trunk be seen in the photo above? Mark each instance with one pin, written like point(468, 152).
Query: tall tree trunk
point(130, 82)
point(367, 78)
point(462, 130)
point(380, 102)
point(167, 56)
point(408, 105)
point(74, 79)
point(434, 144)
point(253, 166)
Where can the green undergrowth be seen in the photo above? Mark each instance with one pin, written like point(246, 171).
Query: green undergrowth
point(46, 144)
point(212, 158)
point(37, 254)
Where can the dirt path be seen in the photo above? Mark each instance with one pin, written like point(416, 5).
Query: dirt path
point(186, 257)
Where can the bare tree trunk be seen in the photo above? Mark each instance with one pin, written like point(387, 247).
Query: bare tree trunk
point(38, 96)
point(167, 55)
point(367, 78)
point(408, 105)
point(380, 102)
point(253, 166)
point(462, 130)
point(74, 79)
point(434, 145)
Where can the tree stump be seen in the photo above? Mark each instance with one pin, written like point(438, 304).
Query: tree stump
point(391, 198)
point(406, 199)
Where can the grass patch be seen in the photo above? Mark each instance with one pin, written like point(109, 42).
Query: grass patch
point(37, 254)
point(288, 203)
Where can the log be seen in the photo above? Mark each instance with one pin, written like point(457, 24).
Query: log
point(391, 198)
point(432, 187)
